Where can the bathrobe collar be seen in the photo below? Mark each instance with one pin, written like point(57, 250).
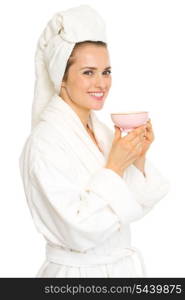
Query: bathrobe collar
point(66, 121)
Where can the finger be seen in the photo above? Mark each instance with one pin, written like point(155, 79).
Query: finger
point(148, 126)
point(134, 132)
point(137, 140)
point(149, 122)
point(117, 133)
point(141, 128)
point(139, 131)
point(149, 135)
point(139, 147)
point(149, 129)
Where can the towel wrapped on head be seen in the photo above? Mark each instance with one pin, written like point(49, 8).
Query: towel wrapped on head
point(55, 46)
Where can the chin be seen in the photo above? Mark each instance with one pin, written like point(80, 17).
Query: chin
point(97, 108)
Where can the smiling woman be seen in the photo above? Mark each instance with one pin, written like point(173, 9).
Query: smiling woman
point(87, 78)
point(84, 183)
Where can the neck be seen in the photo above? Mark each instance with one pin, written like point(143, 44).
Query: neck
point(82, 113)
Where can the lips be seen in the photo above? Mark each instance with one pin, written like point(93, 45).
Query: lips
point(97, 95)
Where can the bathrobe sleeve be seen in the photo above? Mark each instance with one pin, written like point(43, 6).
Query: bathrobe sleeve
point(79, 218)
point(148, 189)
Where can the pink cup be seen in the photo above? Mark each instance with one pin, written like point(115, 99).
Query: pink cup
point(129, 121)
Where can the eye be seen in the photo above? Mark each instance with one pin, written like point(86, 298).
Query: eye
point(109, 72)
point(87, 72)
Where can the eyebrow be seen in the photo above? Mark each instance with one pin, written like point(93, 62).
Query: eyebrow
point(93, 68)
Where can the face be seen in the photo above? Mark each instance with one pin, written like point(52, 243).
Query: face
point(89, 78)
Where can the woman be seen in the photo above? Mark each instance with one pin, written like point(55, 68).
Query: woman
point(84, 183)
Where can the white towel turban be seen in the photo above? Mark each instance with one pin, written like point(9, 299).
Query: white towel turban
point(54, 47)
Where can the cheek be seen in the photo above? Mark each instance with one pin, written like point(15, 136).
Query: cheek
point(81, 83)
point(109, 82)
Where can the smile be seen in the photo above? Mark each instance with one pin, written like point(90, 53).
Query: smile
point(97, 95)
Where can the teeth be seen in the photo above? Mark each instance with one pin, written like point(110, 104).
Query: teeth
point(97, 94)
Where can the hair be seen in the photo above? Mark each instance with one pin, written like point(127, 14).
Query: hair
point(78, 45)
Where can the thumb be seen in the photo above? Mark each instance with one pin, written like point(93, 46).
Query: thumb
point(117, 133)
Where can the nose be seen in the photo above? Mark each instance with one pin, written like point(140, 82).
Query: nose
point(101, 81)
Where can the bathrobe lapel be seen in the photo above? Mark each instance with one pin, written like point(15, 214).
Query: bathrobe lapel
point(61, 116)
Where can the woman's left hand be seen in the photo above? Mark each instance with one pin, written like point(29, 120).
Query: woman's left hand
point(149, 138)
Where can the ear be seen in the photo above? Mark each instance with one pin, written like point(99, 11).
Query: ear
point(63, 85)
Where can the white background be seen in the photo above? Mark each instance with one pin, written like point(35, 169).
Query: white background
point(147, 49)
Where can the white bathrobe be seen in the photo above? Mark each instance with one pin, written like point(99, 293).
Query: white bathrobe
point(83, 209)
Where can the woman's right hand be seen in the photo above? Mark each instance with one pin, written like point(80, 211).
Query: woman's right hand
point(125, 150)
